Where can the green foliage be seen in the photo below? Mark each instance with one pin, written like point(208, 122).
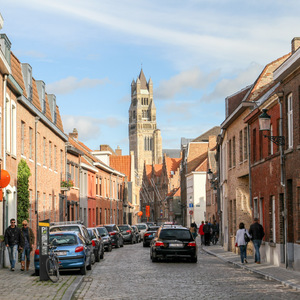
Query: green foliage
point(23, 191)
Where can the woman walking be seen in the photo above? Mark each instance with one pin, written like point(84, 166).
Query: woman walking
point(29, 241)
point(241, 243)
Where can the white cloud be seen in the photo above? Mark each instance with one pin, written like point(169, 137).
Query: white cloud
point(229, 86)
point(70, 84)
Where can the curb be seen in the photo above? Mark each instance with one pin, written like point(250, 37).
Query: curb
point(266, 276)
point(72, 288)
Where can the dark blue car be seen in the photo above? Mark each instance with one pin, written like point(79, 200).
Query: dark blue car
point(72, 251)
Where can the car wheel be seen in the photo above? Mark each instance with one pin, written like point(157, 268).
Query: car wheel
point(122, 245)
point(93, 258)
point(153, 258)
point(83, 270)
point(37, 272)
point(132, 241)
point(194, 259)
point(118, 244)
point(144, 245)
point(109, 248)
point(102, 254)
point(89, 267)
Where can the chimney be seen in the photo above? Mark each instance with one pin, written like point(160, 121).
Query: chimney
point(118, 151)
point(295, 44)
point(74, 134)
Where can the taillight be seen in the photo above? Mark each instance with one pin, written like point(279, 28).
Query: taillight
point(93, 243)
point(79, 249)
point(128, 231)
point(191, 244)
point(37, 252)
point(112, 233)
point(159, 244)
point(147, 234)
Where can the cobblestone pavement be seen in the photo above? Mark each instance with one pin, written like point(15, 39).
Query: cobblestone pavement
point(128, 273)
point(19, 285)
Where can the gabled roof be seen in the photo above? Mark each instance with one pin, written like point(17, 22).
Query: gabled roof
point(197, 155)
point(202, 167)
point(143, 80)
point(172, 164)
point(158, 169)
point(121, 163)
point(205, 136)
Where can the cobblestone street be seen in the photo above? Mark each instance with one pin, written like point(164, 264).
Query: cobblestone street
point(128, 273)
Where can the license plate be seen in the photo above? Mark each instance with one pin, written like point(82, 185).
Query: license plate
point(61, 253)
point(175, 245)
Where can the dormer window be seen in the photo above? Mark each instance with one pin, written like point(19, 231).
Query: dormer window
point(27, 75)
point(43, 100)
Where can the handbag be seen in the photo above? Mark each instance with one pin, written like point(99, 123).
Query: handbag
point(246, 237)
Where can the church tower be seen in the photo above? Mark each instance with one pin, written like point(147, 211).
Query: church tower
point(144, 137)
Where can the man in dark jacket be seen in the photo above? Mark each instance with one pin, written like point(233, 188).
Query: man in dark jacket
point(257, 233)
point(13, 240)
point(206, 230)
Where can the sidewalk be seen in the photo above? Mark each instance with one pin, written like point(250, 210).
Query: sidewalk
point(286, 277)
point(20, 285)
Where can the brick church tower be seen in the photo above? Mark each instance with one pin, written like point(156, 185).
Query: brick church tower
point(144, 137)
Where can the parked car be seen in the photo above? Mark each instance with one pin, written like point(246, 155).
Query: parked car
point(72, 250)
point(97, 243)
point(115, 234)
point(103, 233)
point(137, 233)
point(150, 224)
point(128, 233)
point(173, 242)
point(74, 226)
point(142, 228)
point(149, 235)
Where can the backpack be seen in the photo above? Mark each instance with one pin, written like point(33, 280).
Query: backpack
point(246, 237)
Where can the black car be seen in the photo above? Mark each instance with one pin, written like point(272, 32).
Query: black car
point(97, 243)
point(149, 235)
point(173, 242)
point(128, 233)
point(137, 233)
point(115, 235)
point(103, 233)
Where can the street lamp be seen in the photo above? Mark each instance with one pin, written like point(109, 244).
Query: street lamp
point(210, 174)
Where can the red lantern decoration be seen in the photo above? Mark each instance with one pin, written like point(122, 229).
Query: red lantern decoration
point(4, 179)
point(140, 213)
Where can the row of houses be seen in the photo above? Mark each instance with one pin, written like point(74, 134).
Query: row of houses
point(255, 171)
point(68, 180)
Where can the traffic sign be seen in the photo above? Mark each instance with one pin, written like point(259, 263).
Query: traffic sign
point(191, 212)
point(191, 205)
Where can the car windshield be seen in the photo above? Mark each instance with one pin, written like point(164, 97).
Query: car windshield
point(141, 227)
point(109, 229)
point(63, 239)
point(125, 227)
point(91, 234)
point(65, 228)
point(102, 231)
point(175, 234)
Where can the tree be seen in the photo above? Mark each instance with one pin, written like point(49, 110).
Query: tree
point(23, 191)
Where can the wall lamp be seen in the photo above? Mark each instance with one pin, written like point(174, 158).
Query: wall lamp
point(265, 125)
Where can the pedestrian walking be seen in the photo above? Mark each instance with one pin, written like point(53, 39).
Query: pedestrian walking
point(201, 233)
point(28, 237)
point(13, 240)
point(193, 230)
point(241, 242)
point(206, 230)
point(257, 232)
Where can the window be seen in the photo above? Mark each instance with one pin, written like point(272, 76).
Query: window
point(241, 145)
point(97, 194)
point(261, 145)
point(272, 220)
point(233, 151)
point(245, 143)
point(100, 187)
point(7, 135)
point(22, 137)
point(43, 100)
point(44, 151)
point(290, 120)
point(61, 161)
point(261, 211)
point(255, 208)
point(254, 145)
point(55, 165)
point(50, 154)
point(229, 154)
point(13, 129)
point(30, 142)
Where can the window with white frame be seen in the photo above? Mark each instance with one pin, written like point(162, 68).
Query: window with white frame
point(50, 155)
point(54, 159)
point(7, 125)
point(13, 128)
point(290, 120)
point(30, 143)
point(44, 151)
point(255, 208)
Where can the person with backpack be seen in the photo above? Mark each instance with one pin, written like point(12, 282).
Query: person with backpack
point(241, 241)
point(257, 232)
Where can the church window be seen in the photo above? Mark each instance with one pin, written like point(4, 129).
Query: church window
point(134, 115)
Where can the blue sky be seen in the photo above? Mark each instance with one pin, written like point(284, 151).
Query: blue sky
point(196, 52)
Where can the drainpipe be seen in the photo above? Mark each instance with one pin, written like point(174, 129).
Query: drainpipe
point(283, 179)
point(35, 180)
point(249, 163)
point(4, 148)
point(110, 187)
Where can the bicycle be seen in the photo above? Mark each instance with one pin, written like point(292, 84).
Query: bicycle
point(52, 265)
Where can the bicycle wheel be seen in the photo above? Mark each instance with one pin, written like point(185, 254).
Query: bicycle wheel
point(52, 269)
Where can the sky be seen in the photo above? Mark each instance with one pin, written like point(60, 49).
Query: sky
point(196, 52)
